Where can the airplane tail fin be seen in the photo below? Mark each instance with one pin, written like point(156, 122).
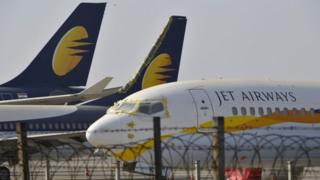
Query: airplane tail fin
point(160, 66)
point(163, 61)
point(66, 58)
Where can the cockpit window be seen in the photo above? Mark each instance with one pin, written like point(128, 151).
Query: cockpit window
point(140, 107)
point(157, 107)
point(122, 106)
point(150, 108)
point(144, 108)
point(127, 107)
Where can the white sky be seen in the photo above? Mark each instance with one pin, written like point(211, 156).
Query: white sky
point(247, 39)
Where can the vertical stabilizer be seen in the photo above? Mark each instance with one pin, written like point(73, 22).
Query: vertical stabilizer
point(161, 65)
point(66, 59)
point(163, 61)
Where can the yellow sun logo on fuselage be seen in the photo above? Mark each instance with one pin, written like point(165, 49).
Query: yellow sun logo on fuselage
point(68, 53)
point(154, 75)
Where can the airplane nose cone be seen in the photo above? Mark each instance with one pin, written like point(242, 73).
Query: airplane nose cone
point(104, 132)
point(93, 134)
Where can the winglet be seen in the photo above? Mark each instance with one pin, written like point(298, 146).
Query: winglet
point(97, 88)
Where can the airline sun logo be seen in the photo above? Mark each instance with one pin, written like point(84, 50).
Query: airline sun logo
point(157, 72)
point(70, 50)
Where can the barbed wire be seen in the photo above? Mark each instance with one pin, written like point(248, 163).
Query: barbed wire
point(240, 128)
point(3, 135)
point(269, 151)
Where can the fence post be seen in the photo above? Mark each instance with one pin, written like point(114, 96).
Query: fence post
point(22, 150)
point(218, 148)
point(196, 170)
point(289, 170)
point(117, 171)
point(157, 147)
point(47, 169)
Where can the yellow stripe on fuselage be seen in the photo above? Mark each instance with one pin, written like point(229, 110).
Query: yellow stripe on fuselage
point(232, 124)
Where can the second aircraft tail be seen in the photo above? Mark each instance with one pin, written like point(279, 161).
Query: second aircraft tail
point(163, 61)
point(161, 65)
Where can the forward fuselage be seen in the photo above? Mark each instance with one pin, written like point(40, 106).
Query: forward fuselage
point(266, 123)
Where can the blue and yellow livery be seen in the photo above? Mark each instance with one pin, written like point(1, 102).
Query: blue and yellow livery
point(161, 65)
point(265, 123)
point(64, 61)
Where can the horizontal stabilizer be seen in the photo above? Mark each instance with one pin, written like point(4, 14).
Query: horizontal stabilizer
point(98, 87)
point(93, 92)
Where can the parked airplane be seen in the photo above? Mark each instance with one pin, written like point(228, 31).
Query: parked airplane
point(267, 123)
point(64, 61)
point(160, 66)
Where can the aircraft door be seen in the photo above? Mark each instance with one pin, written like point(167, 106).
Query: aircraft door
point(202, 104)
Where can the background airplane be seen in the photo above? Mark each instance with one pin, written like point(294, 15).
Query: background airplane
point(65, 60)
point(267, 123)
point(160, 66)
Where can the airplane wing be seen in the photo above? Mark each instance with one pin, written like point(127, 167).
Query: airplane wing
point(46, 144)
point(93, 92)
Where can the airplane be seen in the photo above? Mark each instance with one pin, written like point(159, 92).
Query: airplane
point(62, 122)
point(64, 63)
point(266, 124)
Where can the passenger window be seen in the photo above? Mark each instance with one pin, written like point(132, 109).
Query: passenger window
point(234, 111)
point(260, 109)
point(295, 112)
point(56, 126)
point(285, 111)
point(79, 125)
point(11, 126)
point(62, 125)
point(5, 126)
point(68, 126)
point(252, 111)
point(85, 125)
point(277, 112)
point(30, 126)
point(50, 126)
point(269, 111)
point(37, 126)
point(312, 112)
point(303, 112)
point(73, 125)
point(0, 126)
point(243, 111)
point(43, 126)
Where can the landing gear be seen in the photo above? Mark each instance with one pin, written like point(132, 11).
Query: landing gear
point(4, 173)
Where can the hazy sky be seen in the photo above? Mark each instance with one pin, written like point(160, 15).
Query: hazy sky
point(248, 39)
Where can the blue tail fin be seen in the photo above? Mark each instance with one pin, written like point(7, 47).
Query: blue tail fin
point(161, 65)
point(163, 61)
point(66, 58)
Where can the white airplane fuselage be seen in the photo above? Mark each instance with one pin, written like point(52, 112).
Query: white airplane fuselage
point(266, 123)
